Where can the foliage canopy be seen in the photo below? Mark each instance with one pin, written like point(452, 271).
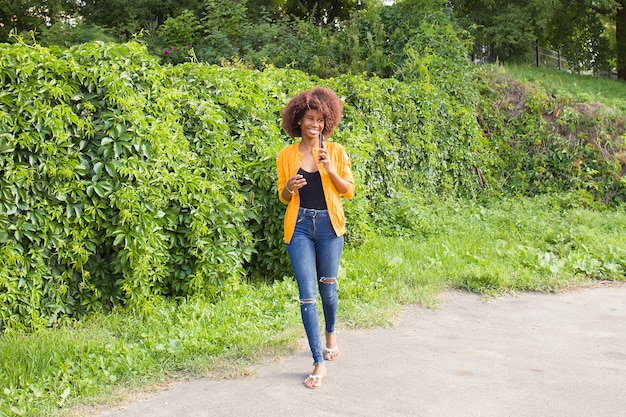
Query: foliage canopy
point(582, 30)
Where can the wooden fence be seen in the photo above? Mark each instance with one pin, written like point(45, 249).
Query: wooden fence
point(545, 57)
point(542, 57)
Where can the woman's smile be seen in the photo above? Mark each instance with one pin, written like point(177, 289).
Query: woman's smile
point(312, 124)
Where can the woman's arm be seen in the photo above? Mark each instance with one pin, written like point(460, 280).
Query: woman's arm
point(339, 168)
point(282, 168)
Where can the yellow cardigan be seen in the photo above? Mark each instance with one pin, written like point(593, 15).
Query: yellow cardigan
point(289, 161)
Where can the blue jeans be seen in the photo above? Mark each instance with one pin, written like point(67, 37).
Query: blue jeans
point(315, 251)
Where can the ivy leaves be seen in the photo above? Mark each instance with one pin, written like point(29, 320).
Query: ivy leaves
point(101, 200)
point(124, 181)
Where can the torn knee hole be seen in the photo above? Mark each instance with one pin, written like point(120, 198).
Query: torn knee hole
point(325, 280)
point(303, 302)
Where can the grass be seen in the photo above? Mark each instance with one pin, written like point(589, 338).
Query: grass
point(584, 88)
point(547, 243)
point(52, 370)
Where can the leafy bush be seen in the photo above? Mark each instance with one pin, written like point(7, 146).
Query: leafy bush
point(547, 145)
point(66, 35)
point(372, 42)
point(180, 31)
point(126, 181)
point(101, 199)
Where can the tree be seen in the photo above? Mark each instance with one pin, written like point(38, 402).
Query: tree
point(577, 27)
point(596, 39)
point(579, 31)
point(129, 17)
point(225, 25)
point(181, 30)
point(509, 29)
point(26, 15)
point(324, 11)
point(620, 36)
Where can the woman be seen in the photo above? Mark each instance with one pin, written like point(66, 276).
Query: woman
point(313, 174)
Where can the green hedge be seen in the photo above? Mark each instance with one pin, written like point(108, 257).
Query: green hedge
point(102, 198)
point(123, 181)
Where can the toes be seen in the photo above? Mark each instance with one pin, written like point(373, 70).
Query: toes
point(313, 381)
point(331, 354)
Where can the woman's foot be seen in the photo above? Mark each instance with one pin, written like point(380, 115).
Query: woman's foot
point(331, 351)
point(331, 354)
point(314, 380)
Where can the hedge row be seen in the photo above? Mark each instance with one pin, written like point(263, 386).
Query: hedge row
point(122, 180)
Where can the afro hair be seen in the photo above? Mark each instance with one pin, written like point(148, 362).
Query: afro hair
point(321, 99)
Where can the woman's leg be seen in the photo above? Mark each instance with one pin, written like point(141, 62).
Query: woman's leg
point(301, 252)
point(329, 248)
point(328, 255)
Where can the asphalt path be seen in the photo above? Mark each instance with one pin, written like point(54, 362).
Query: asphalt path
point(524, 355)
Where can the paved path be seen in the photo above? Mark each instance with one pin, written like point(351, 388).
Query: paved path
point(530, 355)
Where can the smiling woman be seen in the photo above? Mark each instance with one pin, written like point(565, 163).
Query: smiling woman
point(312, 176)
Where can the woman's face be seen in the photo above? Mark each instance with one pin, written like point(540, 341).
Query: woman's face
point(312, 124)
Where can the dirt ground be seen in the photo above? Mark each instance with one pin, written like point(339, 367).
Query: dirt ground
point(528, 355)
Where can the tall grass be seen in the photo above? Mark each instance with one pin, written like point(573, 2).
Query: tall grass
point(546, 243)
point(549, 243)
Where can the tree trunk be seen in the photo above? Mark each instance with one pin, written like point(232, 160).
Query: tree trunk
point(620, 29)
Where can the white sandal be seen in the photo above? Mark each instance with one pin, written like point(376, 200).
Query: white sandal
point(330, 352)
point(317, 380)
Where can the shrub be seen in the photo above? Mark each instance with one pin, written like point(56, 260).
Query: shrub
point(548, 145)
point(124, 181)
point(102, 200)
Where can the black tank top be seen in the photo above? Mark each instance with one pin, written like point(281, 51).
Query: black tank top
point(312, 194)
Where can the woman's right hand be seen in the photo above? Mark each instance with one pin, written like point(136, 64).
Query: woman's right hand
point(295, 183)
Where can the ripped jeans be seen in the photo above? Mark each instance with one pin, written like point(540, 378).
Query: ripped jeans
point(315, 251)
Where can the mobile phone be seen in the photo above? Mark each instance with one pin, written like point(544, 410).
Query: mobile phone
point(321, 140)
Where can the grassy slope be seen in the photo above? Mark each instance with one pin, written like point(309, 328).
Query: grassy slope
point(584, 88)
point(544, 244)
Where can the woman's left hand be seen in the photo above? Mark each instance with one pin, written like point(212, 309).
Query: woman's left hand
point(324, 159)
